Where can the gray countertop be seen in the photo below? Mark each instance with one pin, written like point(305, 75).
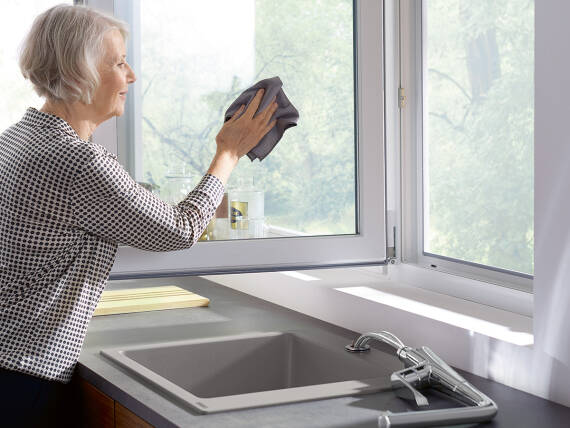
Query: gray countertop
point(232, 312)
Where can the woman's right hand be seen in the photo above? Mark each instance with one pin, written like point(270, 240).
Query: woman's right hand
point(239, 135)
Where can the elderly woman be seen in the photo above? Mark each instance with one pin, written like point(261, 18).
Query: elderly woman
point(67, 203)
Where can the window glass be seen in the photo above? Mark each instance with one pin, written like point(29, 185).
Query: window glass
point(196, 57)
point(17, 93)
point(478, 131)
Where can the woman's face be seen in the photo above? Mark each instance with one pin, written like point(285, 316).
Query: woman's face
point(116, 75)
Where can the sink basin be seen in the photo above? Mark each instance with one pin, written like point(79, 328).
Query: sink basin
point(256, 369)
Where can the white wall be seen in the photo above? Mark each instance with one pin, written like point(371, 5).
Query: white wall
point(552, 197)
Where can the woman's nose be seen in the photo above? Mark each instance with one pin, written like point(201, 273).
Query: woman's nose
point(131, 78)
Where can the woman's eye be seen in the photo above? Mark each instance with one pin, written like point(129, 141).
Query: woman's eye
point(121, 64)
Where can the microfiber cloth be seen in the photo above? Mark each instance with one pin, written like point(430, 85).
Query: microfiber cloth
point(286, 114)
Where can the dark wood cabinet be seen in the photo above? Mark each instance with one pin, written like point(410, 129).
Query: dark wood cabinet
point(124, 418)
point(95, 409)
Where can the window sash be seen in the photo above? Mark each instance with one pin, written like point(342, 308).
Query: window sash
point(368, 246)
point(410, 15)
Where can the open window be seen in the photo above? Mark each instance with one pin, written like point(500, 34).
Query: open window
point(318, 198)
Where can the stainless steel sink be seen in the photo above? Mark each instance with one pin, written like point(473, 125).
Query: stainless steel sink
point(257, 369)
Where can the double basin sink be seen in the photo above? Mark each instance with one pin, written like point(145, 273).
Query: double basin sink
point(256, 369)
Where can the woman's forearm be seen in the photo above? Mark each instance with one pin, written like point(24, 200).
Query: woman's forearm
point(222, 166)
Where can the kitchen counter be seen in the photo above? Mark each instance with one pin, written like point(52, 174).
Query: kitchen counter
point(231, 312)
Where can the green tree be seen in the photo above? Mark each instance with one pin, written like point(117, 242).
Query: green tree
point(480, 131)
point(309, 177)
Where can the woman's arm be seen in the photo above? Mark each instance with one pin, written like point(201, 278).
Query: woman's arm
point(107, 202)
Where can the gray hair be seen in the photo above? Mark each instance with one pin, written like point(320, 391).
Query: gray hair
point(61, 52)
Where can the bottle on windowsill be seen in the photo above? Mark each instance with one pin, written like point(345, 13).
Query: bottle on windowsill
point(246, 210)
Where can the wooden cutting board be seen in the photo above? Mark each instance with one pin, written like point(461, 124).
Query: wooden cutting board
point(147, 299)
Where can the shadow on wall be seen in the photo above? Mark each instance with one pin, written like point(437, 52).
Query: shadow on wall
point(553, 268)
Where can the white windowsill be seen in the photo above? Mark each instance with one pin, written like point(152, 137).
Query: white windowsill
point(365, 299)
point(463, 288)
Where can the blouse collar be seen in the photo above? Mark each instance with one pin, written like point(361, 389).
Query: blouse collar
point(41, 119)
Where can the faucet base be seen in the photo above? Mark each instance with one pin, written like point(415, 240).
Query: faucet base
point(352, 348)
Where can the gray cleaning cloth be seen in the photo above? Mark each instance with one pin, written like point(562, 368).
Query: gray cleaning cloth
point(286, 114)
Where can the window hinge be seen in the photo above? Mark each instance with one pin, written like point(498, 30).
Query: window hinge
point(391, 251)
point(391, 255)
point(401, 98)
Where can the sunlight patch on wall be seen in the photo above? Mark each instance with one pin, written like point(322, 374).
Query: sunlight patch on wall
point(299, 275)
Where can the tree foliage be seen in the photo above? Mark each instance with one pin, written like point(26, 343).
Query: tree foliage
point(479, 127)
point(308, 179)
point(480, 85)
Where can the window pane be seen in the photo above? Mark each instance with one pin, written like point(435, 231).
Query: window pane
point(17, 93)
point(478, 132)
point(196, 57)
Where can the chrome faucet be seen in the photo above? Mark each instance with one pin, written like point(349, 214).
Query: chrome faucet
point(425, 369)
point(360, 344)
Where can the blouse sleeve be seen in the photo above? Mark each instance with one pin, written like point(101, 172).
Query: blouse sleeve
point(107, 202)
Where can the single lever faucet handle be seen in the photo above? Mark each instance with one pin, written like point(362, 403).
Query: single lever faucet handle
point(404, 382)
point(438, 360)
point(426, 369)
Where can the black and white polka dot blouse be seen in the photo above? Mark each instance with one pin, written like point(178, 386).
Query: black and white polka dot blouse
point(65, 205)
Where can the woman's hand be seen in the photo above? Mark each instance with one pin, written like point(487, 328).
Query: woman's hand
point(239, 135)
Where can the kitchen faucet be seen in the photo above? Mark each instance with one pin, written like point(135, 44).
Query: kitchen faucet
point(425, 369)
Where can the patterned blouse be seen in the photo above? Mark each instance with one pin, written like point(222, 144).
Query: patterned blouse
point(65, 206)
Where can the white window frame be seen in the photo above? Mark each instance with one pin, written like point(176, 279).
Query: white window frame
point(404, 23)
point(367, 247)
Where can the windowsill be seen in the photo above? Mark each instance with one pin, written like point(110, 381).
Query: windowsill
point(366, 299)
point(481, 292)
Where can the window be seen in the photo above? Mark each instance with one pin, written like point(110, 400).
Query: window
point(318, 194)
point(193, 61)
point(467, 75)
point(17, 93)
